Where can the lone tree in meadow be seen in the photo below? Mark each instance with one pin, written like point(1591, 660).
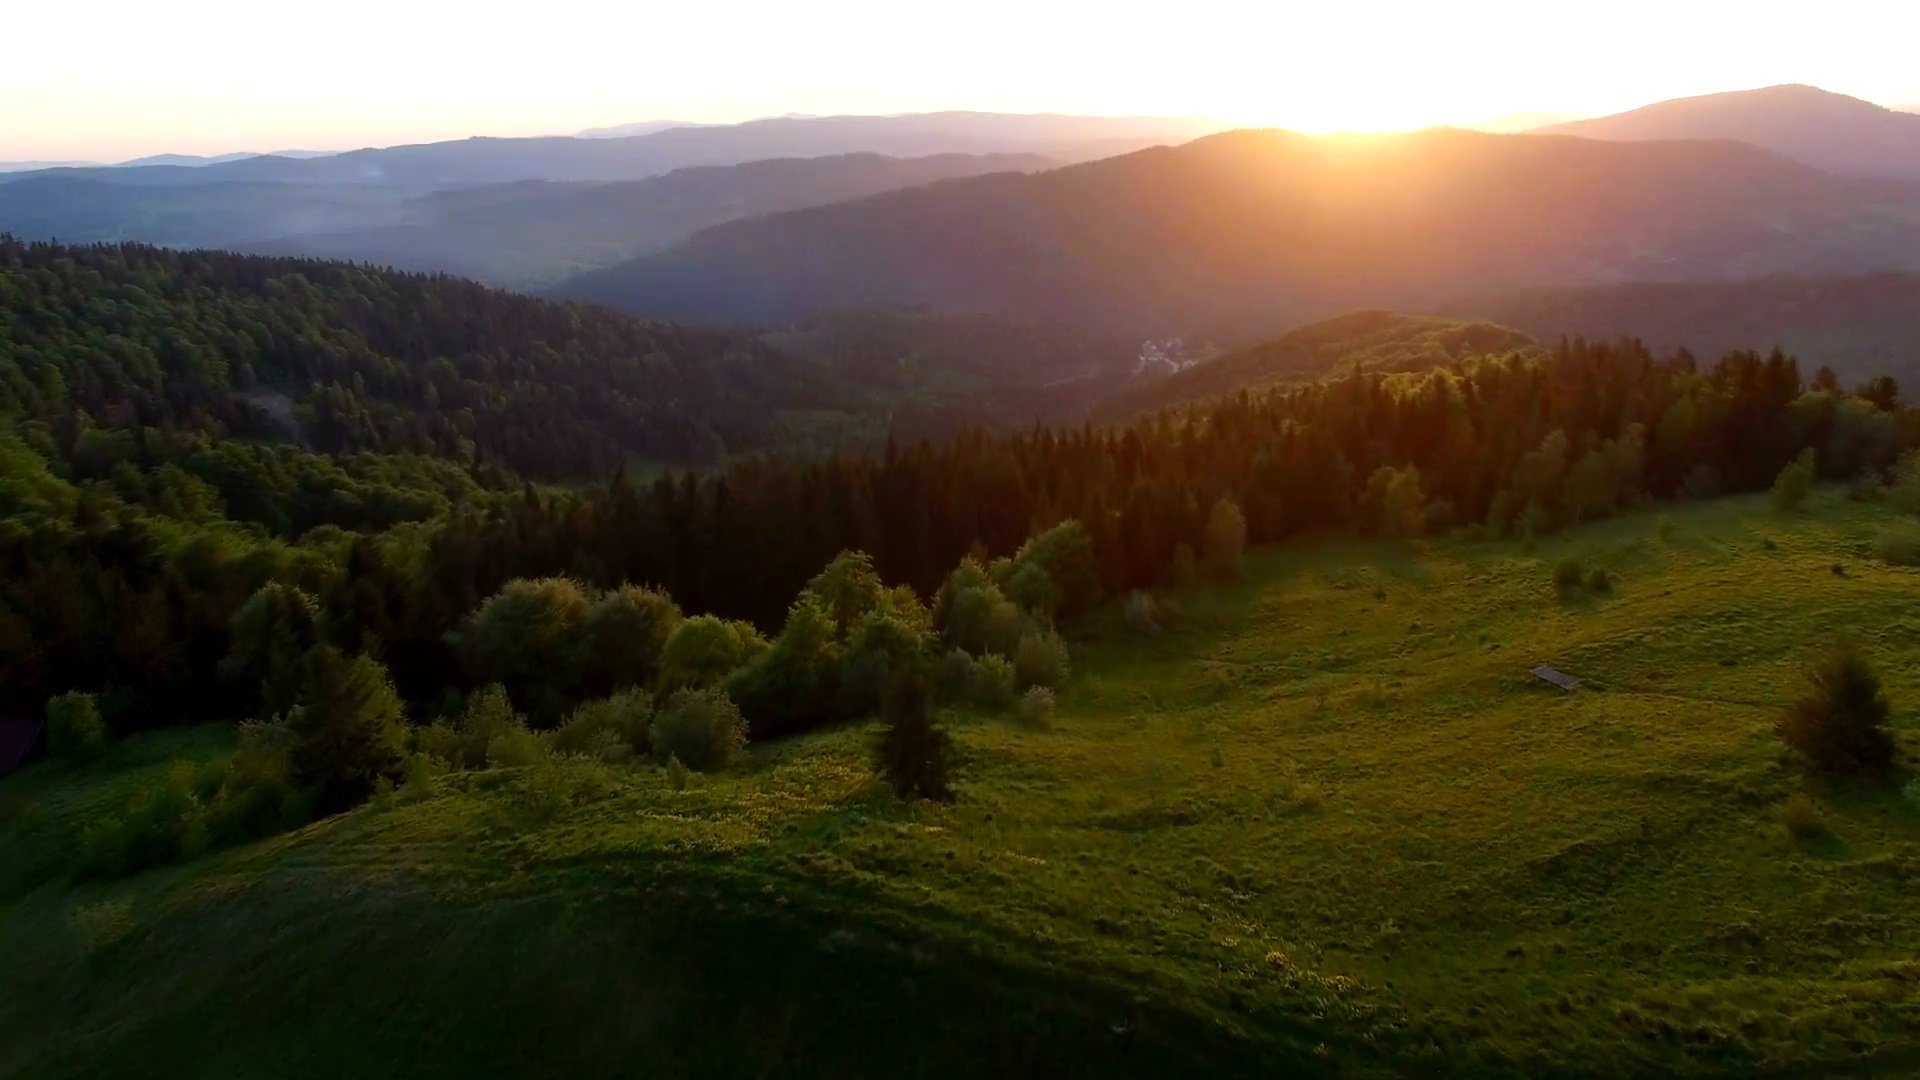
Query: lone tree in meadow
point(913, 752)
point(1790, 488)
point(1841, 724)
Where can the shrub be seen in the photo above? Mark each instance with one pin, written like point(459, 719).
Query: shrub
point(1031, 589)
point(703, 651)
point(1790, 488)
point(912, 752)
point(270, 634)
point(701, 728)
point(881, 642)
point(1599, 582)
point(602, 729)
point(1568, 576)
point(846, 589)
point(488, 716)
point(1040, 660)
point(1141, 614)
point(347, 730)
point(1065, 554)
point(677, 774)
point(1903, 487)
point(623, 638)
point(1226, 538)
point(1036, 707)
point(953, 678)
point(993, 683)
point(75, 731)
point(259, 796)
point(1841, 724)
point(1802, 819)
point(795, 684)
point(1899, 546)
point(526, 637)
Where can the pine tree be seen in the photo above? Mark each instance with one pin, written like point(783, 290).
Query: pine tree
point(1841, 725)
point(913, 752)
point(348, 730)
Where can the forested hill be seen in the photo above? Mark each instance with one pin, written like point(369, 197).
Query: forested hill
point(1249, 233)
point(341, 358)
point(1363, 341)
point(1862, 326)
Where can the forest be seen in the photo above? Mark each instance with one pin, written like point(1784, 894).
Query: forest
point(178, 550)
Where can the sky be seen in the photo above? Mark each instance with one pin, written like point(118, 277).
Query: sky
point(112, 79)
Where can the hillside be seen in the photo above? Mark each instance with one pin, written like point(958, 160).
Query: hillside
point(538, 232)
point(1860, 326)
point(1250, 233)
point(1326, 826)
point(1826, 130)
point(1363, 341)
point(341, 359)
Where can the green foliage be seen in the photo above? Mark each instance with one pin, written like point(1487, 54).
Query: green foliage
point(1898, 546)
point(1040, 660)
point(1071, 571)
point(1568, 576)
point(1791, 487)
point(1802, 819)
point(610, 729)
point(846, 589)
point(347, 728)
point(526, 638)
point(913, 753)
point(995, 685)
point(1141, 614)
point(1904, 487)
point(75, 731)
point(795, 684)
point(883, 641)
point(954, 676)
point(1226, 538)
point(704, 650)
point(271, 634)
point(1036, 707)
point(624, 636)
point(701, 729)
point(1599, 582)
point(1841, 724)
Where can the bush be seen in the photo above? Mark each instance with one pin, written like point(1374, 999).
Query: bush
point(612, 729)
point(1040, 660)
point(912, 752)
point(703, 651)
point(468, 743)
point(953, 678)
point(1599, 582)
point(1141, 614)
point(1568, 576)
point(993, 683)
point(1226, 539)
point(1802, 819)
point(1036, 707)
point(701, 728)
point(1065, 554)
point(1841, 724)
point(527, 637)
point(1903, 488)
point(75, 731)
point(1899, 546)
point(795, 684)
point(883, 641)
point(1790, 488)
point(623, 638)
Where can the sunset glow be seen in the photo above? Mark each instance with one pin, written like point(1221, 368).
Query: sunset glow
point(210, 76)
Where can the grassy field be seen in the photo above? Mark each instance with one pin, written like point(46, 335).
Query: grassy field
point(1326, 824)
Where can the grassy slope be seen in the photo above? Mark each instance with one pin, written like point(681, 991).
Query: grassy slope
point(1328, 823)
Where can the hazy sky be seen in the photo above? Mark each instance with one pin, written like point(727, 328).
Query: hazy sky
point(109, 79)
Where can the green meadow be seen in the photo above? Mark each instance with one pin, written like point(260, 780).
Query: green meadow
point(1323, 823)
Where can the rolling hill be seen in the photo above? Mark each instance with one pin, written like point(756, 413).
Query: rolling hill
point(1822, 129)
point(518, 234)
point(537, 232)
point(1861, 326)
point(1249, 233)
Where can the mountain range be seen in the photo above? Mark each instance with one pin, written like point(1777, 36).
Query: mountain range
point(1247, 233)
point(1823, 129)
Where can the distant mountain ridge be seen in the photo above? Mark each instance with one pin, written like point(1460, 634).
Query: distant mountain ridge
point(1813, 126)
point(1244, 234)
point(429, 166)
